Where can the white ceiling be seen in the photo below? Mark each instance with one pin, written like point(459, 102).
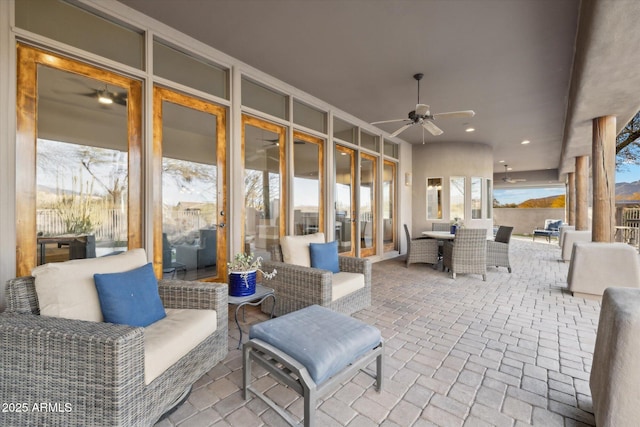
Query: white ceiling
point(510, 61)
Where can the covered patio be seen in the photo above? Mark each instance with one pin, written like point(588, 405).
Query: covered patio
point(514, 350)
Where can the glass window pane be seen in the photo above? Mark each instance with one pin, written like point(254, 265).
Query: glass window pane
point(489, 199)
point(344, 131)
point(434, 198)
point(79, 28)
point(369, 142)
point(367, 209)
point(306, 186)
point(262, 190)
point(388, 206)
point(391, 149)
point(344, 159)
point(82, 168)
point(189, 71)
point(476, 198)
point(263, 99)
point(309, 117)
point(189, 191)
point(456, 195)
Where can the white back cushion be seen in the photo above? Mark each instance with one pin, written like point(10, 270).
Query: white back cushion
point(66, 289)
point(295, 249)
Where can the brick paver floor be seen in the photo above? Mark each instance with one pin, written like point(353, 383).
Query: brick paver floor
point(515, 350)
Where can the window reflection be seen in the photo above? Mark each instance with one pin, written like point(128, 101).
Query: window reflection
point(456, 193)
point(434, 198)
point(81, 167)
point(344, 159)
point(476, 198)
point(262, 188)
point(189, 192)
point(307, 185)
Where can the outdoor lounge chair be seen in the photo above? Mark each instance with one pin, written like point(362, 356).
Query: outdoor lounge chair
point(551, 229)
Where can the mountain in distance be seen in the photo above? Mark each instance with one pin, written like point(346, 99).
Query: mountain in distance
point(628, 190)
point(544, 202)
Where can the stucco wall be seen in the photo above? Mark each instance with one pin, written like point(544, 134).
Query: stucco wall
point(445, 160)
point(525, 221)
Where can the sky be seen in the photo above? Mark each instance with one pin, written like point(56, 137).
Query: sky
point(630, 173)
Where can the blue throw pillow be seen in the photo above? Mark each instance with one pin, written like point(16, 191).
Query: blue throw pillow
point(325, 256)
point(131, 297)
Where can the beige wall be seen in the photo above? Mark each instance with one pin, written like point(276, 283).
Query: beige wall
point(444, 160)
point(524, 221)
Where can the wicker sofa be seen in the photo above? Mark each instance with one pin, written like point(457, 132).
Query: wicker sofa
point(94, 372)
point(298, 286)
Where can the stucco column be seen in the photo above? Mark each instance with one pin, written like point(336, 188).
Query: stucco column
point(571, 198)
point(604, 178)
point(582, 193)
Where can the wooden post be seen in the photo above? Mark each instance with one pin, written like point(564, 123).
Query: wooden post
point(582, 193)
point(571, 184)
point(604, 178)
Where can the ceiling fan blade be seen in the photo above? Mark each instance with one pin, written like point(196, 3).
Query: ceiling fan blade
point(422, 109)
point(402, 129)
point(389, 121)
point(432, 128)
point(456, 114)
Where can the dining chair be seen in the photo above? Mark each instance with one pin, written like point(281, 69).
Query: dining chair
point(498, 249)
point(421, 250)
point(467, 253)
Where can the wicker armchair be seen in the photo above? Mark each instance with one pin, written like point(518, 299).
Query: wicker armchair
point(498, 249)
point(297, 287)
point(467, 253)
point(94, 370)
point(421, 250)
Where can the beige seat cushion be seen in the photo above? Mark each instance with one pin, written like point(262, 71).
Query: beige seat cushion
point(344, 283)
point(295, 249)
point(66, 289)
point(168, 340)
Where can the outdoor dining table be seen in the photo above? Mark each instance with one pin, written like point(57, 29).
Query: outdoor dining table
point(440, 235)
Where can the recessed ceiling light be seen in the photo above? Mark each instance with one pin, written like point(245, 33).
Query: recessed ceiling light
point(470, 129)
point(509, 169)
point(525, 142)
point(501, 161)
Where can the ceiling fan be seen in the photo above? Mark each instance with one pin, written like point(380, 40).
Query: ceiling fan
point(423, 116)
point(107, 97)
point(510, 180)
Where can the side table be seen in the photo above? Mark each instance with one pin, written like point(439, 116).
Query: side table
point(262, 293)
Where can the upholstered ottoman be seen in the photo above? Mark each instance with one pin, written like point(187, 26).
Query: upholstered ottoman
point(596, 266)
point(615, 372)
point(310, 351)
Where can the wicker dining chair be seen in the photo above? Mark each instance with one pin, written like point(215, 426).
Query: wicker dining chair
point(467, 253)
point(498, 249)
point(440, 226)
point(421, 250)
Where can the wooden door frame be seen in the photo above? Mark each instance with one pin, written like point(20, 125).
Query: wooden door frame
point(365, 252)
point(354, 208)
point(281, 132)
point(320, 143)
point(394, 224)
point(28, 59)
point(161, 94)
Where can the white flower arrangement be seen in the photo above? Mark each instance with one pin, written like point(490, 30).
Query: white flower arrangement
point(246, 263)
point(458, 222)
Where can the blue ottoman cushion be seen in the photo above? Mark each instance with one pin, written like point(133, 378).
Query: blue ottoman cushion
point(324, 341)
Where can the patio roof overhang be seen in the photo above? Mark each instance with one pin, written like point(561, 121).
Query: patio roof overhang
point(537, 70)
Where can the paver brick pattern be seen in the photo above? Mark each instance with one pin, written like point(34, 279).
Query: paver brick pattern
point(515, 350)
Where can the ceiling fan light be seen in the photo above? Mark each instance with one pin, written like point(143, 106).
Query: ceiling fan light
point(105, 99)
